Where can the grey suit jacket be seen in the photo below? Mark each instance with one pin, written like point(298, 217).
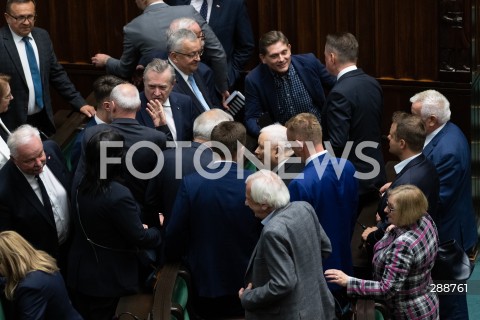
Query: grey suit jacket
point(286, 268)
point(147, 33)
point(50, 70)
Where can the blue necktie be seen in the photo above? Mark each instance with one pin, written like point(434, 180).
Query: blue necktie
point(204, 10)
point(198, 93)
point(35, 71)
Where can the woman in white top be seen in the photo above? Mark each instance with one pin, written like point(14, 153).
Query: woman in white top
point(5, 98)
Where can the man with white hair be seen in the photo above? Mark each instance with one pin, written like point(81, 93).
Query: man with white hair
point(447, 148)
point(276, 153)
point(34, 193)
point(283, 278)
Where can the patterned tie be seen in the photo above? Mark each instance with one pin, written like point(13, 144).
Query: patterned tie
point(197, 92)
point(204, 10)
point(46, 199)
point(35, 71)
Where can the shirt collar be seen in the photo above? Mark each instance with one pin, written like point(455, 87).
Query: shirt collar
point(433, 134)
point(347, 69)
point(402, 164)
point(316, 155)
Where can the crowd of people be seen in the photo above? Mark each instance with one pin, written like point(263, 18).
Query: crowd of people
point(159, 174)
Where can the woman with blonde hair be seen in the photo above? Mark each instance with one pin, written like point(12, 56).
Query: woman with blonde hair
point(5, 98)
point(403, 259)
point(33, 281)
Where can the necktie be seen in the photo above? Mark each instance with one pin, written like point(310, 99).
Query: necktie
point(35, 71)
point(204, 10)
point(46, 199)
point(197, 92)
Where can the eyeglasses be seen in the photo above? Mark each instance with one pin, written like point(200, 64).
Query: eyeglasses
point(191, 55)
point(22, 19)
point(201, 35)
point(389, 207)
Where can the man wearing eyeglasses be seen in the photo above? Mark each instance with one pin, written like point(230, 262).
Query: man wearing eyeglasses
point(27, 56)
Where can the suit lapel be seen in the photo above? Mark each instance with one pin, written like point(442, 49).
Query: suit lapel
point(12, 51)
point(409, 165)
point(429, 147)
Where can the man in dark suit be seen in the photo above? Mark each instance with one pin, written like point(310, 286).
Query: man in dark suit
point(406, 138)
point(178, 109)
point(353, 112)
point(447, 148)
point(147, 33)
point(282, 276)
point(230, 21)
point(276, 154)
point(178, 164)
point(329, 185)
point(212, 226)
point(125, 102)
point(34, 193)
point(31, 79)
point(184, 53)
point(284, 85)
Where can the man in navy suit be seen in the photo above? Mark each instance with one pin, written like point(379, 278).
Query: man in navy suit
point(177, 164)
point(447, 147)
point(284, 85)
point(42, 219)
point(352, 113)
point(161, 106)
point(211, 224)
point(30, 105)
point(230, 22)
point(406, 139)
point(184, 53)
point(329, 185)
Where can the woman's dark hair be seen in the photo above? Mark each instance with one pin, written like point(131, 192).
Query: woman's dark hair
point(99, 173)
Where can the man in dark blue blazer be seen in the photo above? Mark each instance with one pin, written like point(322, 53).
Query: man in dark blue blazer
point(178, 109)
point(406, 139)
point(329, 185)
point(447, 148)
point(230, 22)
point(211, 225)
point(284, 85)
point(196, 153)
point(24, 108)
point(352, 113)
point(22, 206)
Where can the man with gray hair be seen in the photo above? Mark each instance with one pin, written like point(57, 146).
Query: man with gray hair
point(124, 106)
point(184, 53)
point(283, 278)
point(187, 158)
point(34, 193)
point(162, 109)
point(276, 153)
point(447, 148)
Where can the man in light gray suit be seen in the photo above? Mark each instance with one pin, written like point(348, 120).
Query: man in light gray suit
point(284, 276)
point(147, 33)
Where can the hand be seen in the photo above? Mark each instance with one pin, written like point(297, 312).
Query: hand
point(137, 77)
point(161, 218)
point(155, 110)
point(145, 226)
point(100, 60)
point(337, 277)
point(242, 290)
point(377, 217)
point(367, 231)
point(385, 187)
point(225, 95)
point(88, 110)
point(390, 227)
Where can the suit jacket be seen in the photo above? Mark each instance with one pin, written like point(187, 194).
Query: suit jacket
point(212, 226)
point(230, 21)
point(260, 91)
point(204, 81)
point(147, 33)
point(353, 112)
point(450, 153)
point(335, 201)
point(285, 268)
point(144, 160)
point(42, 295)
point(111, 220)
point(51, 73)
point(163, 188)
point(20, 208)
point(77, 145)
point(183, 113)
